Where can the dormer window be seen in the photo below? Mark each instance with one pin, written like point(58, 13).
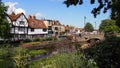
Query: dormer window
point(21, 22)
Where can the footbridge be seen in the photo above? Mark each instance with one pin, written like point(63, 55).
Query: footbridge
point(90, 36)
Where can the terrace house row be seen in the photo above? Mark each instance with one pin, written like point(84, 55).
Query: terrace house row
point(23, 27)
point(54, 27)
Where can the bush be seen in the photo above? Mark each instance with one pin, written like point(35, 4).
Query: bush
point(71, 60)
point(36, 39)
point(20, 57)
point(5, 60)
point(27, 40)
point(106, 54)
point(49, 38)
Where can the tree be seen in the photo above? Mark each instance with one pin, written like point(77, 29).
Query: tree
point(89, 27)
point(109, 26)
point(113, 5)
point(4, 25)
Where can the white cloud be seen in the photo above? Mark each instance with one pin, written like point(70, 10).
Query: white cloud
point(11, 4)
point(12, 8)
point(19, 10)
point(38, 14)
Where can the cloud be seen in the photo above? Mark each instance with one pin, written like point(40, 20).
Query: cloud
point(38, 15)
point(12, 8)
point(11, 4)
point(19, 10)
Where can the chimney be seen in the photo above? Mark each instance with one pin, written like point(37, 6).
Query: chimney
point(34, 17)
point(13, 13)
point(29, 16)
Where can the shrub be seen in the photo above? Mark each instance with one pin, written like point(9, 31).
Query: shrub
point(4, 53)
point(27, 40)
point(36, 39)
point(5, 60)
point(66, 60)
point(20, 57)
point(49, 38)
point(106, 54)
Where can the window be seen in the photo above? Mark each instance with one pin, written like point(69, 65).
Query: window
point(21, 22)
point(32, 30)
point(44, 29)
point(56, 28)
point(49, 27)
point(20, 29)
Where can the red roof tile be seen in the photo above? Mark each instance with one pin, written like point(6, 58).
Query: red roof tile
point(35, 23)
point(14, 16)
point(56, 22)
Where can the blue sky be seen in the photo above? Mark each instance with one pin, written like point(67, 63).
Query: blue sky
point(55, 9)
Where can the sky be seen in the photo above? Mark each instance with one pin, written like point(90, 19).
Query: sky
point(56, 10)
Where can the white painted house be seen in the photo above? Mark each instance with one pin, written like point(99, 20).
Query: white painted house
point(19, 25)
point(36, 28)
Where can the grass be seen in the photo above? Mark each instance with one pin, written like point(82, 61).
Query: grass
point(66, 60)
point(5, 63)
point(37, 52)
point(33, 43)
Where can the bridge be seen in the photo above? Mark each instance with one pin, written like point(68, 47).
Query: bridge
point(90, 36)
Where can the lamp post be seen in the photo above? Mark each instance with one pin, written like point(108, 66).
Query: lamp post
point(95, 25)
point(84, 23)
point(84, 20)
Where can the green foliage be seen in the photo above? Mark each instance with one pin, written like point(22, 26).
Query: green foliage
point(4, 25)
point(71, 60)
point(115, 12)
point(36, 52)
point(89, 27)
point(20, 57)
point(108, 26)
point(5, 60)
point(36, 39)
point(106, 54)
point(4, 52)
point(27, 40)
point(40, 39)
point(33, 43)
point(5, 63)
point(50, 38)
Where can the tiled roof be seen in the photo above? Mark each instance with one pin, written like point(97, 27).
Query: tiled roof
point(69, 27)
point(79, 28)
point(14, 16)
point(56, 22)
point(66, 27)
point(35, 23)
